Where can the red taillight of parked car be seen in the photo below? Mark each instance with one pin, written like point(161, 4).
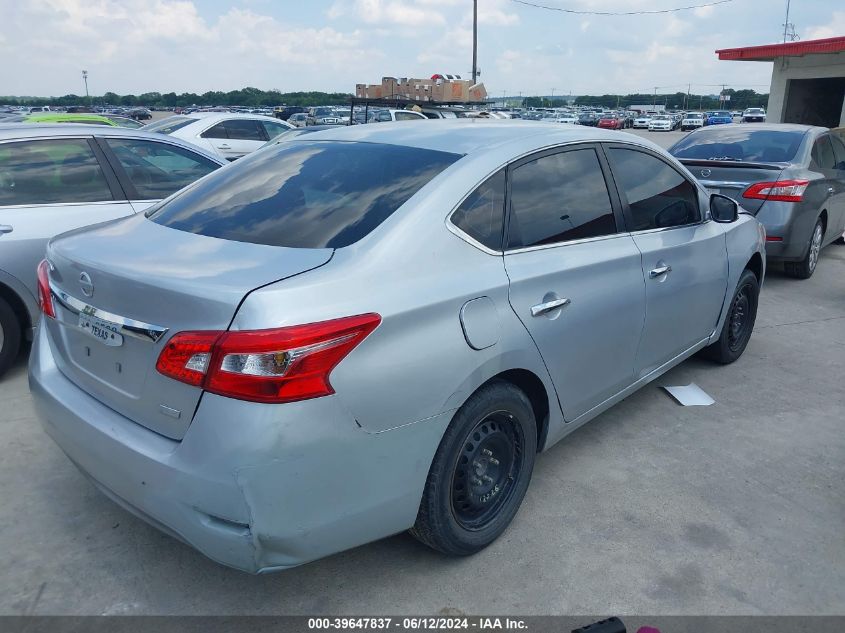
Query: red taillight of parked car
point(781, 190)
point(45, 298)
point(272, 366)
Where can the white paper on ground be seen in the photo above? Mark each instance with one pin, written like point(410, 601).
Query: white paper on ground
point(690, 395)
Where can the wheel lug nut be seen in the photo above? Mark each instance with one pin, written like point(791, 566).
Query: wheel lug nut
point(476, 481)
point(487, 479)
point(494, 461)
point(487, 452)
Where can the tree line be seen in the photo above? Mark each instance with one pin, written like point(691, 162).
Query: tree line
point(255, 97)
point(248, 97)
point(739, 100)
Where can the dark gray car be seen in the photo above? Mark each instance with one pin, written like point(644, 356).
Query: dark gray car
point(792, 177)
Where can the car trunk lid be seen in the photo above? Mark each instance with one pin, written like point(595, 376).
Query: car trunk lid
point(152, 281)
point(732, 178)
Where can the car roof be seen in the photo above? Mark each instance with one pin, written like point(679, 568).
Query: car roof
point(23, 131)
point(783, 127)
point(467, 136)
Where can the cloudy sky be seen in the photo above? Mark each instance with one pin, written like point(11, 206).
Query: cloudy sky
point(136, 46)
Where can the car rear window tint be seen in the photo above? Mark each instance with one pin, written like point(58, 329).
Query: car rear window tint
point(304, 194)
point(170, 124)
point(51, 172)
point(739, 144)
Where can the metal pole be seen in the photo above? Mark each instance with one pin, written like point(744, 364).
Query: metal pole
point(786, 22)
point(85, 79)
point(474, 41)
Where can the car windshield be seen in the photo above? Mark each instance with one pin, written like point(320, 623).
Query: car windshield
point(304, 194)
point(170, 124)
point(738, 143)
point(722, 114)
point(661, 117)
point(754, 111)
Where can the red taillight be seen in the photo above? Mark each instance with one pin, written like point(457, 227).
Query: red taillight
point(279, 365)
point(45, 299)
point(781, 190)
point(772, 238)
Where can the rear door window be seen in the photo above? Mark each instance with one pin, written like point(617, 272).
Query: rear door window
point(158, 169)
point(304, 194)
point(481, 215)
point(51, 172)
point(558, 198)
point(838, 152)
point(823, 153)
point(658, 196)
point(217, 131)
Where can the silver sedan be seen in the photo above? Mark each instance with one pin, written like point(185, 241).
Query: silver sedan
point(377, 328)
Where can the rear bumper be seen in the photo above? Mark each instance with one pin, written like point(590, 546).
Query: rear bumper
point(791, 223)
point(255, 487)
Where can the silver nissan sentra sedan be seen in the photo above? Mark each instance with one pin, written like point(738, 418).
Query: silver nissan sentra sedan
point(377, 328)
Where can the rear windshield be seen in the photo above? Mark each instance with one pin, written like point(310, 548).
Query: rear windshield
point(739, 144)
point(169, 125)
point(304, 194)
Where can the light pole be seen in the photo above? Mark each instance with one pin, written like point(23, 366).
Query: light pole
point(85, 79)
point(474, 41)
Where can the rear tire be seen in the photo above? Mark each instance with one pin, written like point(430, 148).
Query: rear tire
point(480, 472)
point(10, 336)
point(739, 323)
point(807, 266)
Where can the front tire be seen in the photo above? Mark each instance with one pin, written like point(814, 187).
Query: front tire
point(480, 472)
point(739, 323)
point(10, 337)
point(807, 266)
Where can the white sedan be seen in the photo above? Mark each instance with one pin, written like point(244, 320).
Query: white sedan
point(226, 134)
point(641, 122)
point(662, 122)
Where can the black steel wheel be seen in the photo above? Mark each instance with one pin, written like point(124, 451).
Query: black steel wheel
point(486, 470)
point(480, 472)
point(739, 321)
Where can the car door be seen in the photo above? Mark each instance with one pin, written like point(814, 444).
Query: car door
point(150, 170)
point(684, 253)
point(233, 138)
point(830, 191)
point(837, 228)
point(575, 279)
point(49, 186)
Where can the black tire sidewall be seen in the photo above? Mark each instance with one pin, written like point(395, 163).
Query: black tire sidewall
point(726, 353)
point(450, 535)
point(11, 336)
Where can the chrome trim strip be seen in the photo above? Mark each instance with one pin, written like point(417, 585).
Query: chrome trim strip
point(129, 327)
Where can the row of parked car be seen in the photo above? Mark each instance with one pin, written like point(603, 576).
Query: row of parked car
point(206, 354)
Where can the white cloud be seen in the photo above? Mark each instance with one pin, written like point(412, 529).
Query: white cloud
point(833, 28)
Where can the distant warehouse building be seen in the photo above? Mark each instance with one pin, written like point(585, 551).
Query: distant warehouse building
point(808, 79)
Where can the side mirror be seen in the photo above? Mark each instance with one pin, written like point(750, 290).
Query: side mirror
point(723, 209)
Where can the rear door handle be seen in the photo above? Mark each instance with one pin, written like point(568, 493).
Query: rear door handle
point(831, 190)
point(5, 228)
point(660, 270)
point(548, 306)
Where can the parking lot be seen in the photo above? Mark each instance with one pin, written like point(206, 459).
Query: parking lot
point(735, 508)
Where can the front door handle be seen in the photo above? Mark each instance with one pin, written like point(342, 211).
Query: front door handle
point(831, 190)
point(223, 147)
point(5, 228)
point(660, 270)
point(548, 306)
